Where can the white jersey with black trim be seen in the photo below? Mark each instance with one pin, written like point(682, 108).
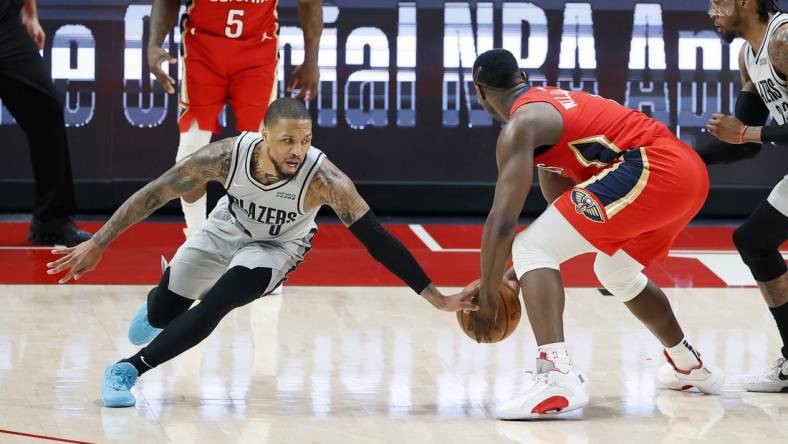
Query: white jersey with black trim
point(772, 87)
point(275, 211)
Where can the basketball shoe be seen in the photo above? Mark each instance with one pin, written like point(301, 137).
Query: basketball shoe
point(140, 330)
point(552, 391)
point(706, 378)
point(775, 379)
point(119, 378)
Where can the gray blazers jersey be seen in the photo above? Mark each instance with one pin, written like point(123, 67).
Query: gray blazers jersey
point(772, 88)
point(275, 211)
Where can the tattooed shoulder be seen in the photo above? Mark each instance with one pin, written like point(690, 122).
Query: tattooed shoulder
point(778, 49)
point(214, 161)
point(330, 186)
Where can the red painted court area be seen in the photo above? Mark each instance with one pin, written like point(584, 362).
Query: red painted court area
point(449, 253)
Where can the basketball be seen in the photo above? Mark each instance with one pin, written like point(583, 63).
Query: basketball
point(508, 314)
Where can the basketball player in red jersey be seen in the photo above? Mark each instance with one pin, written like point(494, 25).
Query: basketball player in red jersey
point(620, 184)
point(229, 51)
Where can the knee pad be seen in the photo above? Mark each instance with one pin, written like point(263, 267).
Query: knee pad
point(546, 243)
point(620, 274)
point(758, 241)
point(191, 141)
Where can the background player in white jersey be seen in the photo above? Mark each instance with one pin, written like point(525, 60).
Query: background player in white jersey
point(251, 241)
point(763, 65)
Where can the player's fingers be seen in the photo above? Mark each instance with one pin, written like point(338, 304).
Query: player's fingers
point(170, 87)
point(61, 250)
point(293, 83)
point(59, 267)
point(59, 261)
point(65, 278)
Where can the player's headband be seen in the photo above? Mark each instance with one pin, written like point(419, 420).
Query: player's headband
point(722, 8)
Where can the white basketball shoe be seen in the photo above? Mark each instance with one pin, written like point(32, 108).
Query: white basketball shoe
point(775, 379)
point(552, 391)
point(706, 378)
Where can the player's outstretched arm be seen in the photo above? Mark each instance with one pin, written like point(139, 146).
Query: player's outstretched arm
point(211, 162)
point(332, 187)
point(533, 125)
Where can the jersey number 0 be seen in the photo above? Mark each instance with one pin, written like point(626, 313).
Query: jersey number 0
point(235, 26)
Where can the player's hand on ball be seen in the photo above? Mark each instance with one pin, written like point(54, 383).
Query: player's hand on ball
point(76, 261)
point(156, 56)
point(726, 128)
point(483, 321)
point(464, 300)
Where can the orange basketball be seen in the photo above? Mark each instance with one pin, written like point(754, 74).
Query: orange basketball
point(508, 314)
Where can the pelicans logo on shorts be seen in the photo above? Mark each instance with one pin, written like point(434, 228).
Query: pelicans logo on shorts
point(587, 206)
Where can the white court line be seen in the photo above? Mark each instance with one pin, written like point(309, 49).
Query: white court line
point(8, 247)
point(433, 245)
point(726, 264)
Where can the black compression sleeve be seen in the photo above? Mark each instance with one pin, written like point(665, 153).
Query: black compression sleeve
point(751, 110)
point(775, 134)
point(389, 251)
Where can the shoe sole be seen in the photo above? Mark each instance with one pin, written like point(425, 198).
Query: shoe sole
point(120, 405)
point(764, 389)
point(546, 409)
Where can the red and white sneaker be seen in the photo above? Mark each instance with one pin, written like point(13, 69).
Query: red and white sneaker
point(706, 378)
point(552, 391)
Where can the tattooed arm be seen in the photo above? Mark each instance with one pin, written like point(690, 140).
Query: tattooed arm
point(332, 187)
point(210, 163)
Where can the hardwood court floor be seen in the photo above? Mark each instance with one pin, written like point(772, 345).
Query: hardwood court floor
point(372, 365)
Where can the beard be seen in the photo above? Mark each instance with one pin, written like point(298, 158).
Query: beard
point(279, 171)
point(728, 37)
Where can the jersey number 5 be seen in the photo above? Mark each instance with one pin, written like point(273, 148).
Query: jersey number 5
point(235, 26)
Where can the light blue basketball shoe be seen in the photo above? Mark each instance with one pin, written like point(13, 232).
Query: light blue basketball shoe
point(140, 330)
point(119, 378)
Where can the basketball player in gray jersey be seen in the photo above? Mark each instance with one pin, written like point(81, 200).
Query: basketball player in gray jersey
point(763, 65)
point(256, 235)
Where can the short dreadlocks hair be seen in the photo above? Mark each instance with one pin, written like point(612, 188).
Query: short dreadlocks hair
point(766, 7)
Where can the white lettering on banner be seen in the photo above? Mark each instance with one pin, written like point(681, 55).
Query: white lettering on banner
point(375, 93)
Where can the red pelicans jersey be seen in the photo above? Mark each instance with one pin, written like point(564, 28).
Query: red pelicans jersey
point(596, 131)
point(234, 19)
point(638, 185)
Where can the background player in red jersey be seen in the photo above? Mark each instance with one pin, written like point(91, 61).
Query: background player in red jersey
point(229, 53)
point(621, 186)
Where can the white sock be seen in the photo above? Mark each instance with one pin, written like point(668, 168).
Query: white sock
point(192, 140)
point(683, 355)
point(558, 354)
point(194, 213)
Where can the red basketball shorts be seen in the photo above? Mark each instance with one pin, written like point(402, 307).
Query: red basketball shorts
point(640, 203)
point(216, 70)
